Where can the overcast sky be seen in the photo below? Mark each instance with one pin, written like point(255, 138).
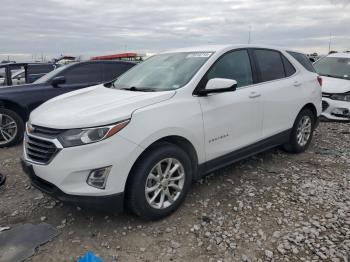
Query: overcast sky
point(94, 27)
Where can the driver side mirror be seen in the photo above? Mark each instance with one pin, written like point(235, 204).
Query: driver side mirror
point(219, 85)
point(58, 80)
point(108, 84)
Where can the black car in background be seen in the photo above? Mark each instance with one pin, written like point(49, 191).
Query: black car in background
point(23, 73)
point(16, 102)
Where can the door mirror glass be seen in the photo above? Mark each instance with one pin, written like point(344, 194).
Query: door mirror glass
point(58, 80)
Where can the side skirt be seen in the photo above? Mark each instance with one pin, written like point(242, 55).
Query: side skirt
point(235, 156)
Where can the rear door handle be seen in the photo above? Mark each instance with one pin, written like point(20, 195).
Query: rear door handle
point(254, 95)
point(297, 83)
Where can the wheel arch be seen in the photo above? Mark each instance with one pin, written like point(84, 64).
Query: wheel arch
point(176, 140)
point(311, 107)
point(7, 104)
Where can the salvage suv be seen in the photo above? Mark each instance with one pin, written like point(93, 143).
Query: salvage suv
point(168, 121)
point(335, 72)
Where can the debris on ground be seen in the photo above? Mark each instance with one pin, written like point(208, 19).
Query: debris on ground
point(90, 257)
point(20, 242)
point(4, 228)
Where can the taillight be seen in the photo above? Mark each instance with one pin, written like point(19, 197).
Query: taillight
point(319, 79)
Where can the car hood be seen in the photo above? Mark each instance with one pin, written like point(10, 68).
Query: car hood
point(335, 85)
point(93, 106)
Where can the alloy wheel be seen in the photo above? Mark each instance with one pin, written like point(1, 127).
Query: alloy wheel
point(304, 130)
point(8, 129)
point(165, 183)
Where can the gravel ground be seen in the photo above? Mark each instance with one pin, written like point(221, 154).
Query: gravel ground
point(271, 207)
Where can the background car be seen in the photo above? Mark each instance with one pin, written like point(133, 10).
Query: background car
point(10, 73)
point(335, 72)
point(16, 102)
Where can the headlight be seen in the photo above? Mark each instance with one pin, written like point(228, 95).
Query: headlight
point(341, 97)
point(77, 137)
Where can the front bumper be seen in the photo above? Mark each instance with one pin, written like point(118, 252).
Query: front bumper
point(69, 168)
point(335, 109)
point(114, 203)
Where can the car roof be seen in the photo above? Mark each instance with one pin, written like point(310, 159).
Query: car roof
point(340, 55)
point(217, 48)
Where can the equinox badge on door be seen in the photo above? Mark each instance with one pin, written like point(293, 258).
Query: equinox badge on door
point(218, 138)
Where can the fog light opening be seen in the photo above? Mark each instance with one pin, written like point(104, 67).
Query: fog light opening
point(341, 112)
point(98, 177)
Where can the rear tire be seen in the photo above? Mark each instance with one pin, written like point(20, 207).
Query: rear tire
point(159, 182)
point(302, 132)
point(11, 128)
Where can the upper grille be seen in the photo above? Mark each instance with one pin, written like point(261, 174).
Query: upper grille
point(39, 150)
point(39, 130)
point(325, 105)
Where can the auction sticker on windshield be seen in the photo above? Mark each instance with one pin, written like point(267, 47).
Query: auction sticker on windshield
point(200, 55)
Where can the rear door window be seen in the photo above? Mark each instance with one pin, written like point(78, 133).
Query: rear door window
point(112, 71)
point(303, 60)
point(84, 73)
point(270, 64)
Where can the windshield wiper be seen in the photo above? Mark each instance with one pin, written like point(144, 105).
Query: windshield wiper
point(141, 89)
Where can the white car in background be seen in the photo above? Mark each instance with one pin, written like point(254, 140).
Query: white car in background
point(335, 72)
point(168, 121)
point(19, 78)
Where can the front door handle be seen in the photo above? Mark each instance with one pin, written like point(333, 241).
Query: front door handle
point(297, 83)
point(254, 95)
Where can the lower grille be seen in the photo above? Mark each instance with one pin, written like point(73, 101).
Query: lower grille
point(325, 105)
point(40, 151)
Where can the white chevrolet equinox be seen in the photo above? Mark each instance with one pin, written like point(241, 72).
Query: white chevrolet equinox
point(141, 140)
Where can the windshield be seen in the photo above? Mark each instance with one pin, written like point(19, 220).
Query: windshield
point(334, 67)
point(46, 78)
point(163, 72)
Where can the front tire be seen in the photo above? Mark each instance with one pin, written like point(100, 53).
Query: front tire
point(302, 132)
point(11, 128)
point(159, 182)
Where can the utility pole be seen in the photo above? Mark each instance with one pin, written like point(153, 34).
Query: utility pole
point(330, 41)
point(249, 35)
